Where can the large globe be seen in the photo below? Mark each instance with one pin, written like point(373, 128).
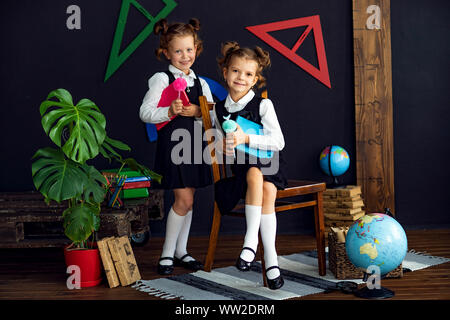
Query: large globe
point(334, 161)
point(376, 239)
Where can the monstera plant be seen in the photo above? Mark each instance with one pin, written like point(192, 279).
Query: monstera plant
point(63, 173)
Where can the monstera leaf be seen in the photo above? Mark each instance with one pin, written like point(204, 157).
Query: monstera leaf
point(107, 149)
point(135, 166)
point(84, 122)
point(93, 190)
point(57, 177)
point(63, 174)
point(80, 221)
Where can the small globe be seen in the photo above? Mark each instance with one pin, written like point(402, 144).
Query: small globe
point(334, 161)
point(376, 239)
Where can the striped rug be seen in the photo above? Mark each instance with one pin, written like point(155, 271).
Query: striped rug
point(299, 272)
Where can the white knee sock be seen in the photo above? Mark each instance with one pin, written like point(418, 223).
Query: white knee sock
point(173, 227)
point(268, 230)
point(181, 248)
point(253, 219)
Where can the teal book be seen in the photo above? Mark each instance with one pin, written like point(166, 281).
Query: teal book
point(250, 127)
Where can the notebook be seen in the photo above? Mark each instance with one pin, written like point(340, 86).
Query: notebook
point(168, 95)
point(250, 127)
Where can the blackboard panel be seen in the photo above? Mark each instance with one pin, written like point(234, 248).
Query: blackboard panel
point(420, 52)
point(40, 54)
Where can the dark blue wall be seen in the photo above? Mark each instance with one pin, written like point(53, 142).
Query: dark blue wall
point(40, 54)
point(420, 66)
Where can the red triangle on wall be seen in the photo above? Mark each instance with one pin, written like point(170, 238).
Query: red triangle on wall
point(311, 23)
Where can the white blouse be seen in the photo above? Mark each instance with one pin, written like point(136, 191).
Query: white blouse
point(272, 138)
point(149, 112)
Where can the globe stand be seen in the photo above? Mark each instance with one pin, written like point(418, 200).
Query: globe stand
point(382, 293)
point(374, 293)
point(335, 184)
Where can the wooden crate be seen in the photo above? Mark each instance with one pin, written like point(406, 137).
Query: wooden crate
point(342, 268)
point(26, 221)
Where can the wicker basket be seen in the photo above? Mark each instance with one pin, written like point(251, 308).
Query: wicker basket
point(342, 268)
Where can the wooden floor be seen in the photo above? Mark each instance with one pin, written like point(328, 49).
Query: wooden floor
point(40, 273)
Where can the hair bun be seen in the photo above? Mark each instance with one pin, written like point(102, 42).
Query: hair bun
point(229, 46)
point(195, 23)
point(263, 57)
point(161, 27)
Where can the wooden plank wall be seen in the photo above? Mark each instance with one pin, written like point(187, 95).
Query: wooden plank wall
point(373, 103)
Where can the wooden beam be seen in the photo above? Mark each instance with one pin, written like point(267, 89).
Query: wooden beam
point(373, 103)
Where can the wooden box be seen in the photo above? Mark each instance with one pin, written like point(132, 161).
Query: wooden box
point(108, 263)
point(118, 261)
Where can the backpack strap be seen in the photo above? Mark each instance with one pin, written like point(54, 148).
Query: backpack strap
point(198, 84)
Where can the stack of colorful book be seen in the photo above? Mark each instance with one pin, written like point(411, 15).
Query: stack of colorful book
point(136, 187)
point(127, 184)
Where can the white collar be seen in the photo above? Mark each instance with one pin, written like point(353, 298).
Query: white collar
point(180, 73)
point(232, 106)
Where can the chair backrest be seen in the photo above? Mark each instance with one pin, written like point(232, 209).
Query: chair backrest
point(217, 164)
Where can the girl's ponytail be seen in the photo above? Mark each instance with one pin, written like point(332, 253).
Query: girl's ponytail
point(263, 57)
point(161, 27)
point(195, 23)
point(228, 49)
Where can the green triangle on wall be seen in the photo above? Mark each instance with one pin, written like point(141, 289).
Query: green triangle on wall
point(117, 58)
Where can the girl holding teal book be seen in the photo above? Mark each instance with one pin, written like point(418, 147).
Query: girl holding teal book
point(255, 180)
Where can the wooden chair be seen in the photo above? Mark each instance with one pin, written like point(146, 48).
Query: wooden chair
point(295, 188)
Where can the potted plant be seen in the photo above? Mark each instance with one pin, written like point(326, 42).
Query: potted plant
point(63, 173)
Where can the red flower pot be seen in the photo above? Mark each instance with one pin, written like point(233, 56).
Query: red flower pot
point(89, 262)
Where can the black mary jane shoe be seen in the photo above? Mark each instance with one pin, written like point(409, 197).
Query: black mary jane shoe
point(276, 283)
point(243, 265)
point(191, 265)
point(165, 270)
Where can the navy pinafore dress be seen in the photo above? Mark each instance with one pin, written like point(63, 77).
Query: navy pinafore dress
point(230, 190)
point(192, 171)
